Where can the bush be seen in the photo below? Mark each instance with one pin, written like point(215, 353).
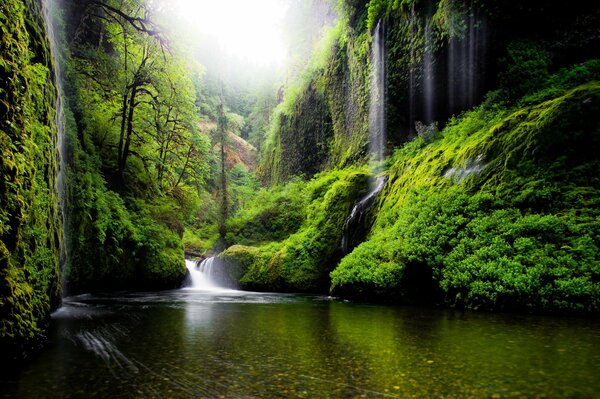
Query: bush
point(307, 250)
point(271, 215)
point(525, 69)
point(520, 231)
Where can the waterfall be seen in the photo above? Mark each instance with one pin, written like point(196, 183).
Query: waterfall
point(205, 275)
point(472, 166)
point(377, 122)
point(356, 224)
point(355, 227)
point(466, 57)
point(428, 76)
point(48, 7)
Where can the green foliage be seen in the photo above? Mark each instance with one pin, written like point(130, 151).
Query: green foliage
point(377, 9)
point(322, 121)
point(298, 138)
point(159, 249)
point(255, 267)
point(138, 162)
point(565, 78)
point(307, 244)
point(242, 187)
point(347, 77)
point(115, 245)
point(526, 69)
point(30, 228)
point(517, 230)
point(271, 215)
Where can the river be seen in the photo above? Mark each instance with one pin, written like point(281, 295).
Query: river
point(234, 344)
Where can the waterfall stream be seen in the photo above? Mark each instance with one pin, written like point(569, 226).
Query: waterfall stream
point(356, 225)
point(377, 120)
point(61, 189)
point(205, 275)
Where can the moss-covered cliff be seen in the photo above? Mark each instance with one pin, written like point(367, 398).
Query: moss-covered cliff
point(292, 235)
point(441, 58)
point(30, 227)
point(499, 212)
point(491, 198)
point(134, 171)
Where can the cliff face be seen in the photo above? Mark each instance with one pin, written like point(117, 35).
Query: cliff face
point(30, 227)
point(491, 197)
point(441, 58)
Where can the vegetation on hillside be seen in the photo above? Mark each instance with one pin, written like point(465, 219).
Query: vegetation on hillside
point(491, 199)
point(498, 210)
point(292, 240)
point(30, 225)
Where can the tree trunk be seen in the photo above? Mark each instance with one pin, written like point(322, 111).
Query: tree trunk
point(128, 133)
point(224, 197)
point(122, 134)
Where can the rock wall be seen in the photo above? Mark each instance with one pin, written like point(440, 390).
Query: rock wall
point(30, 227)
point(441, 58)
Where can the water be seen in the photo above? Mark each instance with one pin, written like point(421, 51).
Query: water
point(60, 131)
point(428, 75)
point(377, 122)
point(356, 225)
point(183, 344)
point(466, 57)
point(207, 275)
point(203, 275)
point(472, 167)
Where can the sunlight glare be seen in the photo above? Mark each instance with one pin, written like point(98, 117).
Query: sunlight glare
point(248, 30)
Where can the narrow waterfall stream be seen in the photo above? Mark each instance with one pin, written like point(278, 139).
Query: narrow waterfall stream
point(377, 117)
point(356, 225)
point(61, 184)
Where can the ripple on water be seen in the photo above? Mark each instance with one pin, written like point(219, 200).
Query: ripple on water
point(234, 344)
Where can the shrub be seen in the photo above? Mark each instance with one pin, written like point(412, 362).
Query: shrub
point(525, 69)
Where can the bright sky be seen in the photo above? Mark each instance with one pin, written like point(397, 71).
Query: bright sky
point(248, 29)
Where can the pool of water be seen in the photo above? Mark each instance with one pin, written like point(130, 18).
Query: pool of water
point(232, 344)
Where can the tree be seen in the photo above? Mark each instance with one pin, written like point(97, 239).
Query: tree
point(221, 136)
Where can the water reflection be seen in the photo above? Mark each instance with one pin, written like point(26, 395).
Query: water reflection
point(249, 345)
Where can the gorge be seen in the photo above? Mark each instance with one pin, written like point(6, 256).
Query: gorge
point(403, 202)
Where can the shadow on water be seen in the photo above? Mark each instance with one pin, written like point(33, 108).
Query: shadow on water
point(236, 344)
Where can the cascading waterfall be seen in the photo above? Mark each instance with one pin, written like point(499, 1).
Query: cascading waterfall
point(48, 6)
point(428, 76)
point(355, 227)
point(377, 121)
point(204, 275)
point(466, 55)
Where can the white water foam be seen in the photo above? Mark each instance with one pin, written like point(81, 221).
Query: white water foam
point(203, 276)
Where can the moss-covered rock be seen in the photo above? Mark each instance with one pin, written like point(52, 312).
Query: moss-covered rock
point(303, 260)
point(500, 212)
point(30, 227)
point(441, 58)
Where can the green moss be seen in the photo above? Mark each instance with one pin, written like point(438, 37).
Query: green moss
point(253, 267)
point(30, 228)
point(519, 232)
point(347, 87)
point(272, 215)
point(323, 121)
point(302, 259)
point(119, 245)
